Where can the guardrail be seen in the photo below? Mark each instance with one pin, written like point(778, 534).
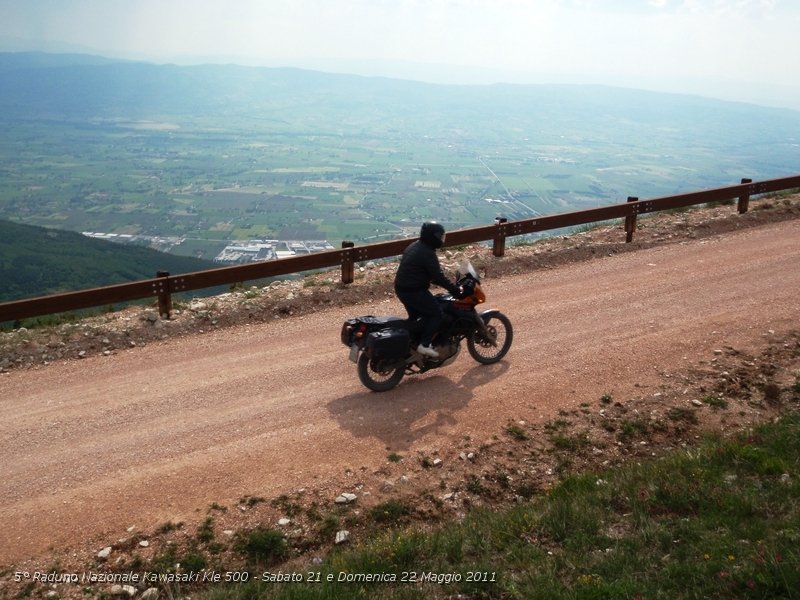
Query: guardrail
point(164, 285)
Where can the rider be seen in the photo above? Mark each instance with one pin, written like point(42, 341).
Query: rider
point(419, 267)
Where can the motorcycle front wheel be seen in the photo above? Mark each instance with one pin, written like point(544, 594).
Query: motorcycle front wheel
point(489, 350)
point(377, 375)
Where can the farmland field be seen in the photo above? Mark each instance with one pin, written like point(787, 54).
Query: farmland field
point(361, 165)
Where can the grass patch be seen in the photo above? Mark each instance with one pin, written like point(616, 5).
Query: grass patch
point(570, 443)
point(390, 512)
point(719, 521)
point(715, 401)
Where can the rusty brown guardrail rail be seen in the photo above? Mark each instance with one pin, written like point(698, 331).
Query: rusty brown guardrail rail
point(164, 285)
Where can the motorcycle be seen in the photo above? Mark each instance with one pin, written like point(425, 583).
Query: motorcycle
point(384, 348)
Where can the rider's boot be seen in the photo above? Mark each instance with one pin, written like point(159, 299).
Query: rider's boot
point(427, 351)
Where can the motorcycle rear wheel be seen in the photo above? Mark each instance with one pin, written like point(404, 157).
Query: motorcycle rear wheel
point(482, 349)
point(375, 375)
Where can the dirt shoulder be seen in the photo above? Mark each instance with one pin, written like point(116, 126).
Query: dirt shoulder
point(243, 410)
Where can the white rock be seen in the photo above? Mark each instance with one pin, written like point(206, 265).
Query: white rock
point(342, 536)
point(123, 590)
point(144, 543)
point(150, 594)
point(346, 498)
point(697, 402)
point(104, 553)
point(284, 522)
point(437, 462)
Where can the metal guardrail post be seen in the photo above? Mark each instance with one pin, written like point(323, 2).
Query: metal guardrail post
point(348, 264)
point(164, 296)
point(630, 222)
point(744, 198)
point(499, 243)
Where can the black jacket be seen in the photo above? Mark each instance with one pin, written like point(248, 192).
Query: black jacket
point(419, 267)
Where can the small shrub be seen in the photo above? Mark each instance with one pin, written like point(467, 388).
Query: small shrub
point(606, 399)
point(251, 501)
point(502, 478)
point(394, 457)
point(289, 508)
point(715, 401)
point(168, 527)
point(772, 392)
point(630, 428)
point(391, 511)
point(556, 425)
point(527, 490)
point(205, 533)
point(193, 560)
point(516, 432)
point(570, 443)
point(474, 486)
point(262, 545)
point(682, 414)
point(329, 525)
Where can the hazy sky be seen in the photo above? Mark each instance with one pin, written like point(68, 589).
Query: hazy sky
point(739, 49)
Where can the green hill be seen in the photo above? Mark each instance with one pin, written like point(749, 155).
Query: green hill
point(36, 261)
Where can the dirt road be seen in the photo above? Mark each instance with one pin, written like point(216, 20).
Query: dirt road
point(92, 447)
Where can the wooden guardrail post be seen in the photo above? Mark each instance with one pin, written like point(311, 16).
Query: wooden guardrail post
point(348, 264)
point(744, 198)
point(499, 242)
point(630, 222)
point(164, 297)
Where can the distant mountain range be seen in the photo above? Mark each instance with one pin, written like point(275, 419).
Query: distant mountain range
point(75, 86)
point(36, 261)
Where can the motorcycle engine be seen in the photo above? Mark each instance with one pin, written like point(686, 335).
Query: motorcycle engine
point(448, 353)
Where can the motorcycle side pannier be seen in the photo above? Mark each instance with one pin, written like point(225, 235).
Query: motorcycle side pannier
point(388, 343)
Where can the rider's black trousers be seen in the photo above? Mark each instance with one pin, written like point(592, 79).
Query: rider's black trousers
point(421, 303)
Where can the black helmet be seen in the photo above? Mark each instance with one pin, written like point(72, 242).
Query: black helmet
point(432, 233)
